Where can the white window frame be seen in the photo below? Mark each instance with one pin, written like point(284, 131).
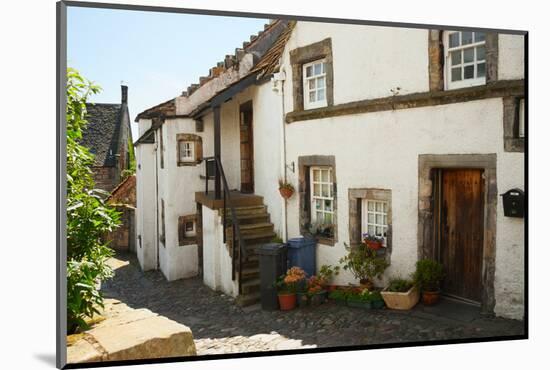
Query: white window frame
point(383, 213)
point(521, 119)
point(449, 85)
point(183, 151)
point(314, 198)
point(192, 233)
point(317, 103)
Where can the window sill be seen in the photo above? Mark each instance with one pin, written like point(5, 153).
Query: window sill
point(325, 241)
point(184, 164)
point(188, 241)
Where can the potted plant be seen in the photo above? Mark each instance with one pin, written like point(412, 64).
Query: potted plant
point(340, 296)
point(428, 276)
point(286, 189)
point(302, 297)
point(286, 287)
point(326, 274)
point(317, 294)
point(373, 242)
point(364, 264)
point(400, 294)
point(365, 298)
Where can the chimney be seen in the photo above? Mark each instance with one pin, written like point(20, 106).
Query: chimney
point(124, 96)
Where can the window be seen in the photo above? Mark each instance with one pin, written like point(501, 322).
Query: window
point(375, 218)
point(521, 119)
point(312, 76)
point(315, 84)
point(465, 59)
point(187, 151)
point(322, 199)
point(187, 230)
point(190, 229)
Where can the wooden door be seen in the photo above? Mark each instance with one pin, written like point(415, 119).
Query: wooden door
point(247, 148)
point(461, 232)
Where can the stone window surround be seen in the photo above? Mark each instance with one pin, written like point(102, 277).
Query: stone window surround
point(426, 244)
point(304, 202)
point(182, 239)
point(198, 149)
point(436, 57)
point(356, 197)
point(512, 141)
point(306, 54)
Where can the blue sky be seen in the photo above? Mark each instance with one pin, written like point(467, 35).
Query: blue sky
point(156, 54)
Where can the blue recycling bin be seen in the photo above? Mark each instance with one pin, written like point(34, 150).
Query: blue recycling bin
point(301, 253)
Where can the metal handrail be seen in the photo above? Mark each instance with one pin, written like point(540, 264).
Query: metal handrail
point(236, 235)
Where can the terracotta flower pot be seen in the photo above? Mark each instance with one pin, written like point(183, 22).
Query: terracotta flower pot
point(286, 192)
point(287, 301)
point(430, 298)
point(373, 245)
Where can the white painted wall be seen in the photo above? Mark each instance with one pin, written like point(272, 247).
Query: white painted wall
point(381, 151)
point(145, 203)
point(217, 262)
point(268, 127)
point(510, 57)
point(368, 61)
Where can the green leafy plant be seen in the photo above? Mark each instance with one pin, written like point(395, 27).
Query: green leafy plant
point(365, 295)
point(88, 217)
point(339, 294)
point(428, 274)
point(364, 263)
point(327, 273)
point(399, 285)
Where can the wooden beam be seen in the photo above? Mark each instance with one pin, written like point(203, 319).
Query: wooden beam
point(217, 150)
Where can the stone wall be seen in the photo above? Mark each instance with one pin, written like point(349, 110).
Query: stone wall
point(106, 178)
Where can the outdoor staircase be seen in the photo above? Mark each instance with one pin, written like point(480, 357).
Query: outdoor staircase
point(256, 230)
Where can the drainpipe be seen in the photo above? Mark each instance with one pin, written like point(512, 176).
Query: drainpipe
point(157, 202)
point(278, 80)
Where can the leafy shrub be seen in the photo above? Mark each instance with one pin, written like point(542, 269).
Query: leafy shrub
point(365, 296)
point(339, 294)
point(428, 274)
point(364, 263)
point(88, 217)
point(399, 285)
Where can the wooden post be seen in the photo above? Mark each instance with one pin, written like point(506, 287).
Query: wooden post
point(217, 151)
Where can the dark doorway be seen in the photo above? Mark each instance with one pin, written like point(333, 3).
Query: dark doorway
point(459, 218)
point(247, 148)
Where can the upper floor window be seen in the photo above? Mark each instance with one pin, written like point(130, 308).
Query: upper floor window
point(465, 63)
point(315, 84)
point(187, 151)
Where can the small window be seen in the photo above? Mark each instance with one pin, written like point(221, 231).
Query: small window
point(190, 229)
point(521, 119)
point(322, 198)
point(187, 151)
point(315, 90)
point(375, 218)
point(465, 59)
point(187, 230)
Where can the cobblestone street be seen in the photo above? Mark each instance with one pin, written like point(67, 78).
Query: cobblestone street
point(220, 326)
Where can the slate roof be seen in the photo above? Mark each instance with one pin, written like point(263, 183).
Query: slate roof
point(269, 63)
point(166, 108)
point(103, 131)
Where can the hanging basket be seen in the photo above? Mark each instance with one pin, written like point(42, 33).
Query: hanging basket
point(286, 192)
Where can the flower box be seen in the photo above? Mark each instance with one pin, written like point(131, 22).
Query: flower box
point(359, 304)
point(401, 301)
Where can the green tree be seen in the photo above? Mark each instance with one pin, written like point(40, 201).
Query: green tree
point(88, 217)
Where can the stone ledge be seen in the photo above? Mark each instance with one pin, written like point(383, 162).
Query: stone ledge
point(130, 334)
